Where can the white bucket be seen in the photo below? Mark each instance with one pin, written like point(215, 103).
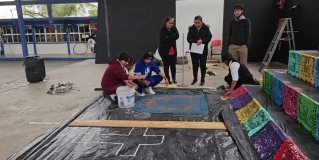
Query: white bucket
point(125, 96)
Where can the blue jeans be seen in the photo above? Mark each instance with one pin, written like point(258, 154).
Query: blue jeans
point(154, 80)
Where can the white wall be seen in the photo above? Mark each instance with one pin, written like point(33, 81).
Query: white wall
point(212, 12)
point(45, 48)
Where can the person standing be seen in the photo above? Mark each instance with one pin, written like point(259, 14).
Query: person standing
point(239, 35)
point(167, 47)
point(199, 33)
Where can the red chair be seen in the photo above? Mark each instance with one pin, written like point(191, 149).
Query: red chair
point(216, 47)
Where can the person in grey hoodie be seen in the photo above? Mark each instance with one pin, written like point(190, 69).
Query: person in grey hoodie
point(239, 35)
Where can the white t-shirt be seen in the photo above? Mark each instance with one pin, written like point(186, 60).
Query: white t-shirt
point(91, 43)
point(234, 68)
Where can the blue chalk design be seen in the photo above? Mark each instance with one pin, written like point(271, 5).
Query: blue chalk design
point(171, 103)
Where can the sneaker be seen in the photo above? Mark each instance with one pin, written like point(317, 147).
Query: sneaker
point(174, 81)
point(194, 82)
point(202, 83)
point(149, 90)
point(139, 94)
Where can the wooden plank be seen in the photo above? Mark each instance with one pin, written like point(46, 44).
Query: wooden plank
point(148, 124)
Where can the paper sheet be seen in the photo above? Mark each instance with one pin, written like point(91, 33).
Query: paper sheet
point(197, 48)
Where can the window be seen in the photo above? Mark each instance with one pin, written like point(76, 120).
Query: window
point(49, 33)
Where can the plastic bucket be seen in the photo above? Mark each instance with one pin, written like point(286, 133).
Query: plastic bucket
point(125, 96)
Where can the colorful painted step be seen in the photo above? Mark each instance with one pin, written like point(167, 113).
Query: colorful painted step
point(257, 122)
point(304, 65)
point(238, 92)
point(245, 113)
point(268, 140)
point(294, 63)
point(241, 101)
point(303, 108)
point(267, 82)
point(289, 151)
point(264, 133)
point(290, 100)
point(307, 68)
point(308, 111)
point(277, 90)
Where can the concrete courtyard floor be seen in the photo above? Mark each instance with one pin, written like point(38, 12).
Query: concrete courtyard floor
point(27, 111)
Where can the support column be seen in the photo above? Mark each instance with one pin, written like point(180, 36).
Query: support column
point(49, 6)
point(21, 29)
point(68, 38)
point(34, 40)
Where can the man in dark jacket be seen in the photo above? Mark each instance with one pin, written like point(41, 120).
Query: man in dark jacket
point(238, 74)
point(239, 35)
point(199, 33)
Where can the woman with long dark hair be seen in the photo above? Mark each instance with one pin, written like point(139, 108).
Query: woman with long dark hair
point(167, 47)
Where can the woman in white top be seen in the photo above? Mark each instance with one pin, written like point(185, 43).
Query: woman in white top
point(238, 74)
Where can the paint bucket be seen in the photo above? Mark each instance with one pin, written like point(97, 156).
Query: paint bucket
point(125, 96)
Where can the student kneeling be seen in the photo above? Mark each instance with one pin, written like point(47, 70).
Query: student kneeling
point(146, 66)
point(238, 74)
point(115, 75)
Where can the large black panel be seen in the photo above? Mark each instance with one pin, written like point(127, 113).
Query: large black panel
point(305, 22)
point(102, 46)
point(263, 16)
point(131, 25)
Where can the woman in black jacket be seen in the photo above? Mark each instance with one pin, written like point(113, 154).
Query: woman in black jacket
point(199, 33)
point(167, 47)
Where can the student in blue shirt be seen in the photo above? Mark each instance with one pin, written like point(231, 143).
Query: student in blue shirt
point(146, 66)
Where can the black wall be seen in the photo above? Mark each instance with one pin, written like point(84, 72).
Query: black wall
point(130, 25)
point(133, 26)
point(262, 15)
point(102, 36)
point(305, 19)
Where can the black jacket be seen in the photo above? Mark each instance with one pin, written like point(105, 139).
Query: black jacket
point(167, 40)
point(203, 33)
point(240, 32)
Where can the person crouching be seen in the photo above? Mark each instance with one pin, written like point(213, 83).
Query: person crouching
point(115, 76)
point(146, 66)
point(238, 74)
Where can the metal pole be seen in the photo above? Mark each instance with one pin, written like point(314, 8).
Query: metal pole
point(21, 29)
point(49, 8)
point(183, 62)
point(34, 40)
point(1, 42)
point(68, 39)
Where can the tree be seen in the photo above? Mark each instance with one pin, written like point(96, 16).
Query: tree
point(35, 11)
point(61, 10)
point(89, 8)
